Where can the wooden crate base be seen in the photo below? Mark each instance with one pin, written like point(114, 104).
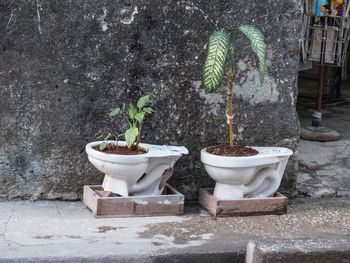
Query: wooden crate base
point(103, 204)
point(276, 205)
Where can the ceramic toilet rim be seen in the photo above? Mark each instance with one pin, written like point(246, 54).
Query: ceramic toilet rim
point(152, 151)
point(273, 155)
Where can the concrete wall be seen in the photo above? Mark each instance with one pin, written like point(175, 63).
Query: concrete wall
point(64, 64)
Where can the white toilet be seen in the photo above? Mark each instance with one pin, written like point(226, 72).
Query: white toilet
point(144, 174)
point(254, 176)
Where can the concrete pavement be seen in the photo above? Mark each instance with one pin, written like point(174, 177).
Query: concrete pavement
point(53, 231)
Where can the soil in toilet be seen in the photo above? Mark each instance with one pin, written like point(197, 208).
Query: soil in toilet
point(121, 150)
point(237, 151)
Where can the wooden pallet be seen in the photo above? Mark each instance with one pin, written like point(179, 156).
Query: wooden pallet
point(104, 204)
point(276, 205)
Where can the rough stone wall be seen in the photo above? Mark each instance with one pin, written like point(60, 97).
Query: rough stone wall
point(64, 64)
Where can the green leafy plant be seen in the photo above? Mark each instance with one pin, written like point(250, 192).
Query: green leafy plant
point(220, 49)
point(135, 119)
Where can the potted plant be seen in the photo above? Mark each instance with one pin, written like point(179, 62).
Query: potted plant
point(132, 167)
point(239, 171)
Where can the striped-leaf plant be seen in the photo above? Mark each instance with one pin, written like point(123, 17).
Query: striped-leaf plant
point(221, 50)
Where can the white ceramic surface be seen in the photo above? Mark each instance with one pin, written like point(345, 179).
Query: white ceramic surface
point(144, 174)
point(254, 176)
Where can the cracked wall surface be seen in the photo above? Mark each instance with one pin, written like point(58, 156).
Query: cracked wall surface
point(64, 64)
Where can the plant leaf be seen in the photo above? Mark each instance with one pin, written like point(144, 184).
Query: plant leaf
point(214, 66)
point(140, 116)
point(130, 136)
point(148, 110)
point(103, 146)
point(142, 101)
point(109, 135)
point(114, 112)
point(99, 135)
point(257, 42)
point(132, 111)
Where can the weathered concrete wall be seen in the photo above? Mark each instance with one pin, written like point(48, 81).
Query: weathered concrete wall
point(64, 64)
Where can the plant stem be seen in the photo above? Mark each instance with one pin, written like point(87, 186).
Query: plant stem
point(126, 118)
point(138, 140)
point(229, 113)
point(229, 93)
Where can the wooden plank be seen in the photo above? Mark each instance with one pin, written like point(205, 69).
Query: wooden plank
point(158, 205)
point(243, 207)
point(103, 193)
point(169, 190)
point(90, 198)
point(115, 206)
point(207, 200)
point(170, 203)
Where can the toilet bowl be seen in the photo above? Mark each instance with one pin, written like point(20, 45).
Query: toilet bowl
point(144, 174)
point(254, 176)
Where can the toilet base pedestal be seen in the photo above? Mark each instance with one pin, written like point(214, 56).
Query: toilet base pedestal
point(216, 207)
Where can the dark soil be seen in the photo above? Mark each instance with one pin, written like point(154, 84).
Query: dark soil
point(226, 150)
point(121, 150)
